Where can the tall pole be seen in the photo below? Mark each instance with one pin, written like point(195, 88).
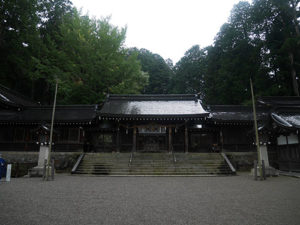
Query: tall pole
point(51, 134)
point(256, 130)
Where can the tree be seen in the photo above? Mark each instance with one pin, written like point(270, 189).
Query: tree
point(158, 70)
point(44, 40)
point(276, 23)
point(19, 40)
point(232, 60)
point(88, 56)
point(190, 71)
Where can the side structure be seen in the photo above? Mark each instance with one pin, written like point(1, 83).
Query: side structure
point(280, 134)
point(24, 128)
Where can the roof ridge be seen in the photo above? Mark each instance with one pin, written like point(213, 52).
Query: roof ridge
point(147, 97)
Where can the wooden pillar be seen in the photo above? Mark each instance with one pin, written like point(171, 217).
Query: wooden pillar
point(221, 140)
point(170, 140)
point(134, 140)
point(298, 140)
point(288, 153)
point(186, 139)
point(118, 138)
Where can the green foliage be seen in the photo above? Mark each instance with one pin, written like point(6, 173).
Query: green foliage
point(158, 70)
point(190, 71)
point(260, 40)
point(52, 40)
point(45, 40)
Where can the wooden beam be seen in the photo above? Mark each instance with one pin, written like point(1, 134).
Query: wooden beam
point(221, 139)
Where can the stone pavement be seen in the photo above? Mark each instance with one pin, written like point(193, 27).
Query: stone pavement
point(150, 200)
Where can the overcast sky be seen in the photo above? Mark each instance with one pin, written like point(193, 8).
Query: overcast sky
point(166, 27)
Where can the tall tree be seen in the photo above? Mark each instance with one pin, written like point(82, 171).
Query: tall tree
point(44, 40)
point(190, 71)
point(276, 23)
point(158, 70)
point(88, 56)
point(232, 60)
point(19, 40)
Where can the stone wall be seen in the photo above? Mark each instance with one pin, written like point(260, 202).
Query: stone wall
point(22, 161)
point(242, 161)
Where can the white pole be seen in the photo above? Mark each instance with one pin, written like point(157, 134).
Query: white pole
point(8, 172)
point(256, 131)
point(51, 134)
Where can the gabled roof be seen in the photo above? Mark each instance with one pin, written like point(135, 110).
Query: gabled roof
point(10, 98)
point(285, 110)
point(287, 120)
point(152, 106)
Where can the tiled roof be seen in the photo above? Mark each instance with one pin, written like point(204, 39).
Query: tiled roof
point(235, 113)
point(279, 101)
point(152, 105)
point(63, 114)
point(11, 98)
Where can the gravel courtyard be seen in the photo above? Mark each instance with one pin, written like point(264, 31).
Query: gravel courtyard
point(150, 200)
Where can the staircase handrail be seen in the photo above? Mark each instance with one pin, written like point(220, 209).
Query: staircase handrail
point(131, 158)
point(174, 157)
point(228, 162)
point(77, 163)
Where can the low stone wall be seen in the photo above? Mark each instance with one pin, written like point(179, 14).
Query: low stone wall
point(242, 161)
point(22, 161)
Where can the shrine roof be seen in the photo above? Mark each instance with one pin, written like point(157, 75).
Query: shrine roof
point(10, 98)
point(236, 113)
point(276, 101)
point(284, 110)
point(152, 106)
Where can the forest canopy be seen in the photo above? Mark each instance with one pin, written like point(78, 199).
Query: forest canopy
point(42, 41)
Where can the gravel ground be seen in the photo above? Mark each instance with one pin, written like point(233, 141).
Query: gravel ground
point(150, 200)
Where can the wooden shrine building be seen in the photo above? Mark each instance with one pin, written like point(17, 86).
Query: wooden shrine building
point(154, 124)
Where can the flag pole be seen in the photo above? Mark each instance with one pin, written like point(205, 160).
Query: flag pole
point(51, 134)
point(256, 130)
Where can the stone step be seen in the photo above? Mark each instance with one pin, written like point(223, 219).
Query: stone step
point(153, 164)
point(157, 170)
point(158, 174)
point(151, 169)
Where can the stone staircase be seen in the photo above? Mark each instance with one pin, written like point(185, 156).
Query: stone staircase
point(196, 164)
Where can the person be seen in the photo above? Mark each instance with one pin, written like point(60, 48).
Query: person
point(2, 167)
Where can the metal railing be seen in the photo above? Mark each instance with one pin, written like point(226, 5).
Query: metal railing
point(174, 157)
point(77, 163)
point(228, 162)
point(131, 158)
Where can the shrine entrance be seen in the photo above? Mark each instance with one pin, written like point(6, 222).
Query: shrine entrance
point(152, 139)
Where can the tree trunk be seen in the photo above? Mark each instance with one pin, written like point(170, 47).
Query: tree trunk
point(293, 73)
point(32, 89)
point(294, 5)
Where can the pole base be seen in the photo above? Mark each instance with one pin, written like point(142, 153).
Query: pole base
point(270, 172)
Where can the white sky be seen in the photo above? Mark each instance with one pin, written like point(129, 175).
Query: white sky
point(166, 27)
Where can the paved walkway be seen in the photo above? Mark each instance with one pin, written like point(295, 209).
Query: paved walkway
point(150, 200)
